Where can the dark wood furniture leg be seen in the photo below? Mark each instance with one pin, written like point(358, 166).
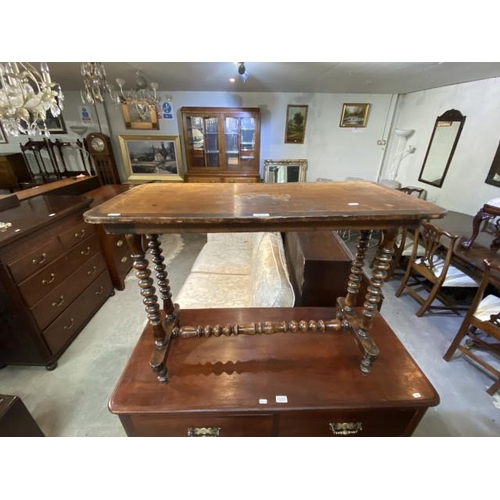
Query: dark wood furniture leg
point(486, 213)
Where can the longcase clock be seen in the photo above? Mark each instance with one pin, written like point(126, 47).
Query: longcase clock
point(99, 147)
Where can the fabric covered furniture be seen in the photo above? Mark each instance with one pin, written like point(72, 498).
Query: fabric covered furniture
point(238, 270)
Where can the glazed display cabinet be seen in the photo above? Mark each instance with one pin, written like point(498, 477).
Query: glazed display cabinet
point(221, 144)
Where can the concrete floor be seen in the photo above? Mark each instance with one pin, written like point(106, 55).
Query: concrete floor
point(72, 400)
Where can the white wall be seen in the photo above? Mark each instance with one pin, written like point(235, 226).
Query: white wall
point(464, 189)
point(331, 151)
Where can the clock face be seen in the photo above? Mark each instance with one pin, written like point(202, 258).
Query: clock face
point(97, 144)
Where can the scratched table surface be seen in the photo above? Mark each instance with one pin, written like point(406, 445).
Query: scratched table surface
point(199, 207)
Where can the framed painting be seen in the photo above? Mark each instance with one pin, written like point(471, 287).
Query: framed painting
point(295, 127)
point(151, 157)
point(140, 117)
point(493, 177)
point(3, 135)
point(354, 114)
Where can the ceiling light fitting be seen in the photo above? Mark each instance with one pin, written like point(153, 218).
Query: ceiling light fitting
point(143, 97)
point(26, 95)
point(95, 83)
point(242, 71)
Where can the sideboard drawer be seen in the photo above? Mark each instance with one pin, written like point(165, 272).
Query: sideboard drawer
point(72, 320)
point(202, 426)
point(390, 422)
point(35, 260)
point(74, 235)
point(53, 304)
point(44, 281)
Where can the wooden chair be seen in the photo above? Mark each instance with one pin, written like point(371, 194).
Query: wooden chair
point(434, 270)
point(483, 314)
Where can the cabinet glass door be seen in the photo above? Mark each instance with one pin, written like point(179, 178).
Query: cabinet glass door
point(239, 136)
point(203, 141)
point(232, 139)
point(247, 141)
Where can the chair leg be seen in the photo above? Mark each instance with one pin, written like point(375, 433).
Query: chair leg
point(430, 299)
point(404, 281)
point(494, 388)
point(462, 331)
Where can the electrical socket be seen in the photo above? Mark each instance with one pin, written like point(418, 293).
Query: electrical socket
point(381, 142)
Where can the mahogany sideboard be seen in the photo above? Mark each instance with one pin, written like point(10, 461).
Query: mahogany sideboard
point(311, 339)
point(53, 278)
point(319, 265)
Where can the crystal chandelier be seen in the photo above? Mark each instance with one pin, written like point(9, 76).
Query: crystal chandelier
point(26, 95)
point(95, 84)
point(142, 98)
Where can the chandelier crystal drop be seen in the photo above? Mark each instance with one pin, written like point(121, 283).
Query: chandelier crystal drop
point(26, 95)
point(95, 83)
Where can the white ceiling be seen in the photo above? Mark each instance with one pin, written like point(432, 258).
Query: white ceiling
point(334, 77)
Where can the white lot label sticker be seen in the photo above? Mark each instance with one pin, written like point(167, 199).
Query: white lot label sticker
point(417, 395)
point(353, 204)
point(263, 401)
point(261, 215)
point(281, 399)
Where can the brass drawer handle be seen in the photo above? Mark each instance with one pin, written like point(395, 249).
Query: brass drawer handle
point(204, 431)
point(346, 428)
point(81, 234)
point(60, 303)
point(92, 271)
point(119, 243)
point(124, 259)
point(99, 292)
point(41, 261)
point(71, 323)
point(85, 252)
point(48, 282)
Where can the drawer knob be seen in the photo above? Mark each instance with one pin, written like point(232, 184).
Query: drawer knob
point(124, 259)
point(48, 282)
point(119, 243)
point(99, 292)
point(92, 271)
point(60, 303)
point(204, 431)
point(81, 234)
point(41, 260)
point(70, 326)
point(85, 252)
point(346, 428)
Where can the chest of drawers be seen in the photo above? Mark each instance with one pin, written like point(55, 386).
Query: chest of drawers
point(53, 278)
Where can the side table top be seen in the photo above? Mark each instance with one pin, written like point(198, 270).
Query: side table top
point(200, 207)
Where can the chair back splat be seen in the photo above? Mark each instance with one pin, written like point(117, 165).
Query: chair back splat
point(433, 269)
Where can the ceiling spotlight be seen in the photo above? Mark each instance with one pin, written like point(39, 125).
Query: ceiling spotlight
point(242, 71)
point(232, 80)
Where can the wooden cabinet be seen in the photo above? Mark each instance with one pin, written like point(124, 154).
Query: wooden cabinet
point(221, 144)
point(319, 265)
point(53, 278)
point(113, 246)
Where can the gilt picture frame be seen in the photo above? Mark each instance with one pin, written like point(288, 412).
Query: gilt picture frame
point(149, 158)
point(295, 125)
point(140, 119)
point(354, 114)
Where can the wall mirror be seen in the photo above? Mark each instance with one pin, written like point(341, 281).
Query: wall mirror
point(285, 170)
point(494, 173)
point(442, 145)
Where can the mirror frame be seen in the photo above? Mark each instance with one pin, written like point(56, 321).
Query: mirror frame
point(452, 115)
point(269, 164)
point(494, 169)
